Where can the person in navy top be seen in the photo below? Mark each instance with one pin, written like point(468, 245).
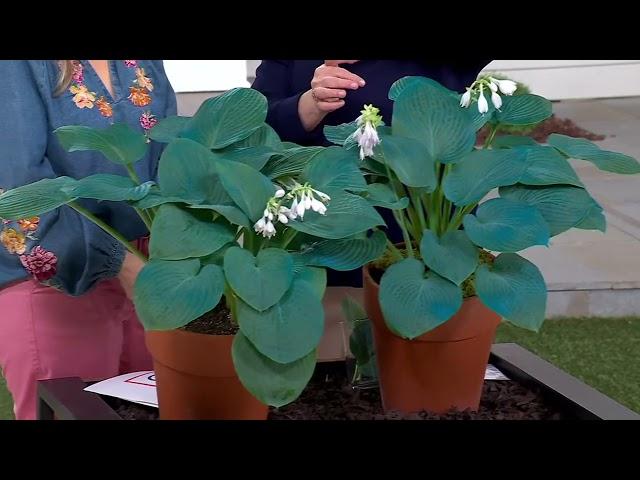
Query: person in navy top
point(306, 95)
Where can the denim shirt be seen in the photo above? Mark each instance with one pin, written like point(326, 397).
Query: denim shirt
point(62, 248)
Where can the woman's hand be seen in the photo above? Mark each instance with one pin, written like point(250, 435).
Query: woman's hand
point(130, 269)
point(329, 87)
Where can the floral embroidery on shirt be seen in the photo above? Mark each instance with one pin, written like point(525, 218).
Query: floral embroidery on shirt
point(104, 107)
point(39, 262)
point(139, 94)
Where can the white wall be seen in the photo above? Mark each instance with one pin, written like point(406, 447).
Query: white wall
point(574, 79)
point(206, 75)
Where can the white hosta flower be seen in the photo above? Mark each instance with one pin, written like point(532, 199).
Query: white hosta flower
point(366, 135)
point(323, 196)
point(483, 106)
point(507, 87)
point(280, 193)
point(493, 85)
point(318, 206)
point(466, 98)
point(496, 100)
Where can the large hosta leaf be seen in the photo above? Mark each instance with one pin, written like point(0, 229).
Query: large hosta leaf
point(414, 303)
point(346, 254)
point(119, 142)
point(169, 294)
point(347, 215)
point(187, 170)
point(381, 195)
point(36, 198)
point(514, 288)
point(260, 281)
point(228, 118)
point(335, 167)
point(481, 171)
point(248, 188)
point(290, 162)
point(114, 188)
point(411, 161)
point(563, 207)
point(289, 330)
point(583, 149)
point(506, 226)
point(272, 383)
point(452, 255)
point(431, 115)
point(177, 234)
point(545, 166)
point(168, 129)
point(523, 110)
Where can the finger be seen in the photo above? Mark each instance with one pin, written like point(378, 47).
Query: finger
point(335, 63)
point(338, 83)
point(322, 93)
point(330, 106)
point(323, 71)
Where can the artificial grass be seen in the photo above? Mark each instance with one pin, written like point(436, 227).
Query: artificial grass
point(602, 352)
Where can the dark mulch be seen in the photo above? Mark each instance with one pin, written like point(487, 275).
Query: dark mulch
point(563, 126)
point(216, 322)
point(329, 396)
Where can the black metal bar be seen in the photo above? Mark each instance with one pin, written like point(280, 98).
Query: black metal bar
point(65, 399)
point(527, 368)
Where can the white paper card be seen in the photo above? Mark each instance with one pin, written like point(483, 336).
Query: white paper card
point(137, 387)
point(492, 373)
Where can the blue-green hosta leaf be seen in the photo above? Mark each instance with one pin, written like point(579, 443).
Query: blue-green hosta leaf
point(260, 281)
point(228, 118)
point(563, 206)
point(272, 383)
point(346, 254)
point(335, 167)
point(399, 86)
point(452, 255)
point(583, 149)
point(510, 141)
point(315, 278)
point(35, 198)
point(433, 116)
point(515, 289)
point(410, 160)
point(249, 189)
point(119, 143)
point(290, 329)
point(177, 234)
point(414, 303)
point(256, 157)
point(187, 170)
point(114, 188)
point(232, 213)
point(170, 294)
point(291, 162)
point(168, 129)
point(506, 226)
point(381, 195)
point(347, 215)
point(523, 110)
point(481, 171)
point(341, 134)
point(545, 166)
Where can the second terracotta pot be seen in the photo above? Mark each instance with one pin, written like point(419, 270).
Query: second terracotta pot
point(196, 379)
point(438, 371)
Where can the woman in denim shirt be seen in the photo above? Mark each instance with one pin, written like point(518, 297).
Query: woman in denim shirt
point(86, 326)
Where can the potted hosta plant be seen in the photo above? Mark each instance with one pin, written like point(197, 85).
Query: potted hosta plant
point(465, 213)
point(241, 228)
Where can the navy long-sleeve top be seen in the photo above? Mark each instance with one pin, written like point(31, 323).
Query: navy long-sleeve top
point(62, 247)
point(284, 81)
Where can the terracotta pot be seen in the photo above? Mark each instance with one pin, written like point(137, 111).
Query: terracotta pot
point(196, 379)
point(439, 370)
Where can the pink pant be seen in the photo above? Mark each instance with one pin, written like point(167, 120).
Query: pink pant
point(47, 334)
